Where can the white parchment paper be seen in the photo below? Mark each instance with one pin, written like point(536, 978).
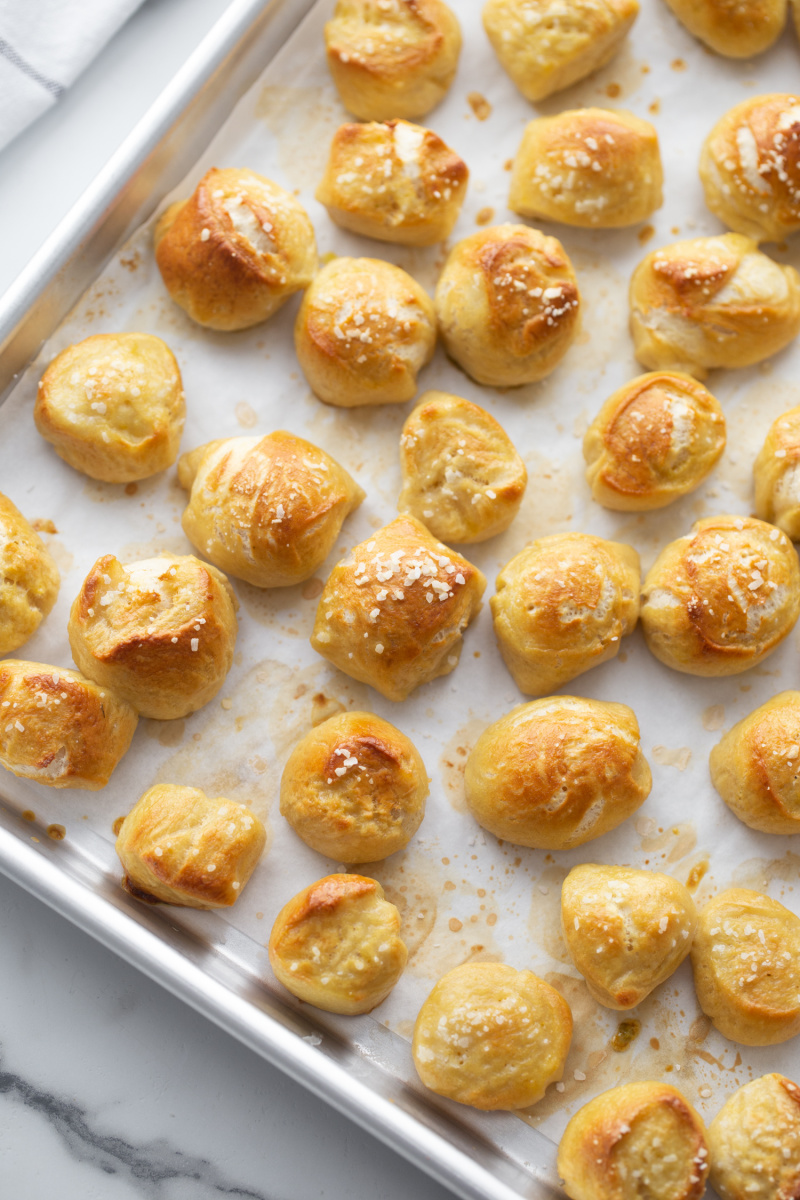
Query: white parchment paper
point(462, 895)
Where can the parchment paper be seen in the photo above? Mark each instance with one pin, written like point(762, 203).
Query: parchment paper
point(462, 895)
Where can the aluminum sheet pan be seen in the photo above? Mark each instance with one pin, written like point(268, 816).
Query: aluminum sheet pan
point(462, 894)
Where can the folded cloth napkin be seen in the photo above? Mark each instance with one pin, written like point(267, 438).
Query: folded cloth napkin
point(44, 46)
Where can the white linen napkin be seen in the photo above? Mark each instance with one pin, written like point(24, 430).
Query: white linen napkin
point(44, 46)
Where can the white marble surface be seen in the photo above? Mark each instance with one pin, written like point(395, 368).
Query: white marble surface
point(109, 1088)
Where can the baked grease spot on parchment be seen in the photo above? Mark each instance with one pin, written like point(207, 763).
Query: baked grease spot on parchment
point(713, 717)
point(674, 842)
point(680, 757)
point(304, 120)
point(454, 759)
point(759, 873)
point(63, 558)
point(544, 917)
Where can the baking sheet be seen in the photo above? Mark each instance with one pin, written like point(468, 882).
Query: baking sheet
point(462, 894)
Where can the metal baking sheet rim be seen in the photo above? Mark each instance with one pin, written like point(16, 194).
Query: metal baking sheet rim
point(147, 165)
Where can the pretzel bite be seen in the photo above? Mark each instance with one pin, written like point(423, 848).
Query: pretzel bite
point(776, 474)
point(754, 1142)
point(557, 773)
point(354, 788)
point(492, 1037)
point(462, 476)
point(179, 846)
point(508, 305)
point(364, 331)
point(587, 167)
point(626, 931)
point(392, 58)
point(393, 612)
point(754, 767)
point(29, 579)
point(268, 510)
point(720, 599)
point(160, 632)
point(734, 28)
point(746, 962)
point(641, 1139)
point(337, 945)
point(395, 182)
point(562, 606)
point(58, 728)
point(654, 440)
point(712, 302)
point(236, 250)
point(750, 167)
point(113, 406)
point(546, 45)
